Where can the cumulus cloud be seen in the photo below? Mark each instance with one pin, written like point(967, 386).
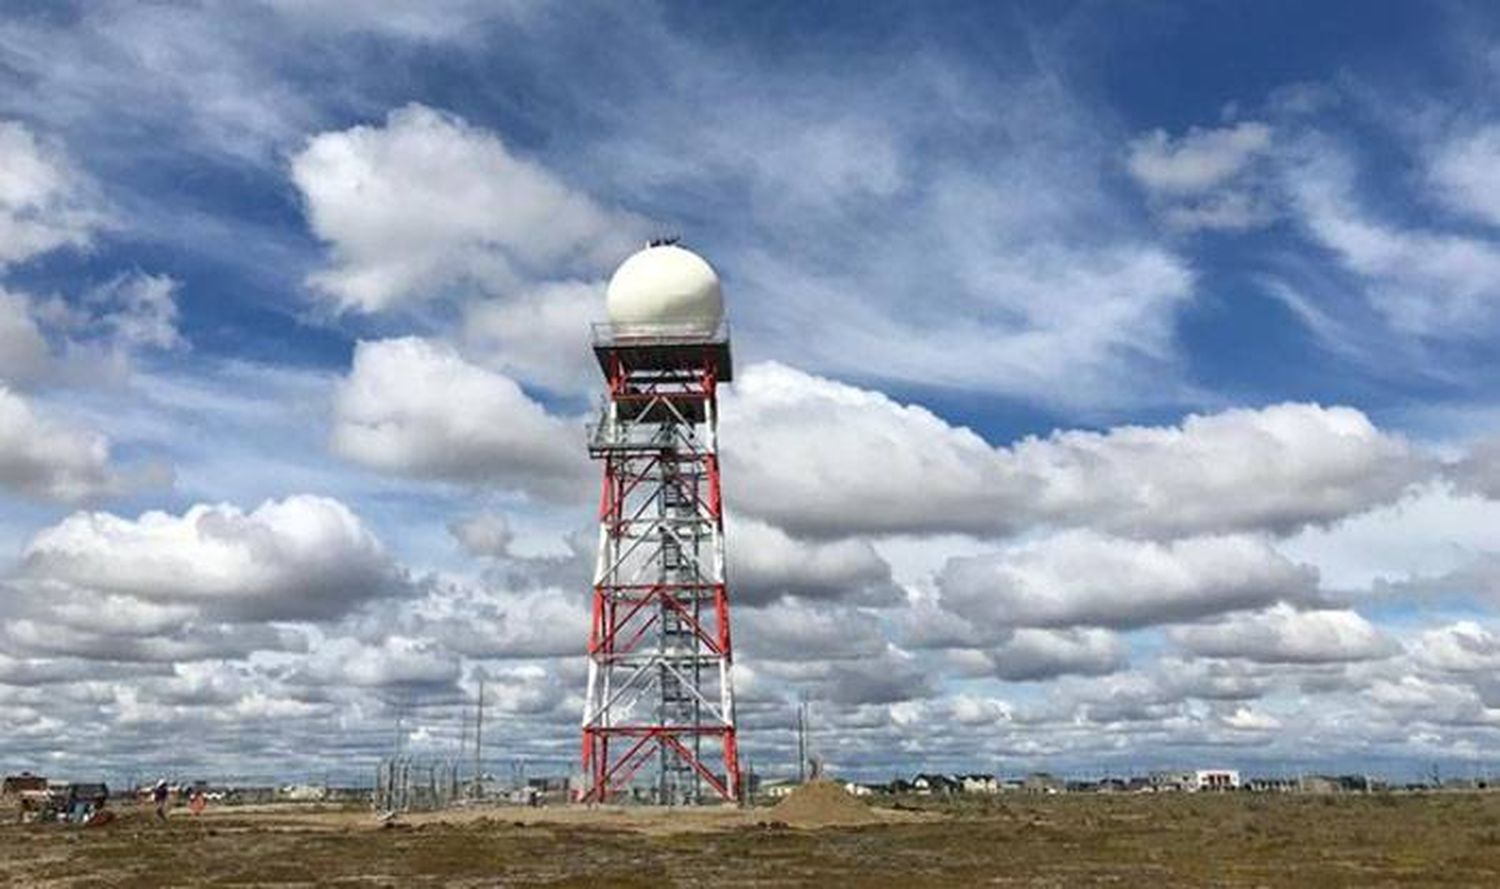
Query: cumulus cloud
point(44, 202)
point(493, 621)
point(1461, 647)
point(190, 641)
point(1478, 470)
point(394, 661)
point(765, 563)
point(808, 631)
point(541, 335)
point(878, 466)
point(304, 557)
point(487, 534)
point(415, 407)
point(1245, 719)
point(48, 459)
point(884, 677)
point(884, 467)
point(427, 201)
point(1032, 655)
point(1277, 468)
point(90, 338)
point(1085, 578)
point(1284, 634)
point(24, 354)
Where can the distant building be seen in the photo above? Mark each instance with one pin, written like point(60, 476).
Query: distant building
point(303, 793)
point(1195, 780)
point(935, 785)
point(1338, 784)
point(1043, 782)
point(777, 788)
point(25, 782)
point(1216, 779)
point(977, 783)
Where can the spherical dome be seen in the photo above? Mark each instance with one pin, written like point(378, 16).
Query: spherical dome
point(666, 287)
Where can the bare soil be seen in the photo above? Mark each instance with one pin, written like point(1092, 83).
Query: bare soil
point(826, 804)
point(1061, 841)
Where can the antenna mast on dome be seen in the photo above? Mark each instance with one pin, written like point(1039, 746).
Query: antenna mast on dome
point(659, 685)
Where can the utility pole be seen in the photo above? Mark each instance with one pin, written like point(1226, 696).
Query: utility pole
point(479, 740)
point(802, 741)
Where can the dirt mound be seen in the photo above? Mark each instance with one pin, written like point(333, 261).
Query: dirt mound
point(822, 804)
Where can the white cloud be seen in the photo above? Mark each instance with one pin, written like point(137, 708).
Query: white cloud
point(427, 201)
point(1084, 578)
point(883, 467)
point(540, 336)
point(184, 643)
point(304, 557)
point(1465, 172)
point(1247, 720)
point(766, 563)
point(493, 617)
point(967, 248)
point(47, 459)
point(1276, 468)
point(1462, 647)
point(138, 310)
point(414, 407)
point(1435, 531)
point(807, 631)
point(1040, 321)
point(419, 20)
point(1425, 282)
point(1203, 180)
point(876, 677)
point(487, 534)
point(1284, 634)
point(1037, 655)
point(1411, 699)
point(89, 340)
point(1478, 471)
point(1197, 161)
point(877, 465)
point(24, 354)
point(394, 661)
point(44, 202)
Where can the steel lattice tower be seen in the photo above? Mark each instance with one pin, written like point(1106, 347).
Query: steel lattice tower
point(659, 686)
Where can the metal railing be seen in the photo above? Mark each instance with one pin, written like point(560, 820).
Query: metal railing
point(608, 333)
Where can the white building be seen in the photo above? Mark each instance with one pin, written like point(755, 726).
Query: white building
point(778, 788)
point(1196, 780)
point(1215, 779)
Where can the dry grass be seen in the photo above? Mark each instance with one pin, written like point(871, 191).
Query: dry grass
point(1447, 839)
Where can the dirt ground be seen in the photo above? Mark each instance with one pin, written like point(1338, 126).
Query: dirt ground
point(1062, 841)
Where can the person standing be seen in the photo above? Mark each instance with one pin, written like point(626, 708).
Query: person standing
point(159, 798)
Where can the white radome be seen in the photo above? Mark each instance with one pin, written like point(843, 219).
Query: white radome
point(665, 288)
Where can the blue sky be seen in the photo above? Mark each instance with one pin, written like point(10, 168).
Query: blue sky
point(1115, 378)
